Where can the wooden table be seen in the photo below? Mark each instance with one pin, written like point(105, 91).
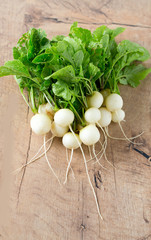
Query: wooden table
point(38, 207)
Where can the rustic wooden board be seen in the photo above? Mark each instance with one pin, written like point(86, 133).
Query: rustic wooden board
point(39, 208)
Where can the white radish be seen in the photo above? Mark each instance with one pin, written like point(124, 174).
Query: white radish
point(114, 102)
point(95, 100)
point(58, 130)
point(118, 115)
point(46, 109)
point(89, 135)
point(40, 124)
point(105, 117)
point(64, 117)
point(70, 141)
point(92, 115)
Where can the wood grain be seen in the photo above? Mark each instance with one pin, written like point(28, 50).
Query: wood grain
point(39, 208)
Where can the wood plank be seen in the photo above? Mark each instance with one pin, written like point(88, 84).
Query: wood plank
point(39, 208)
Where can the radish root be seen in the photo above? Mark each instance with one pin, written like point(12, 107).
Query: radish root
point(123, 139)
point(69, 165)
point(68, 161)
point(87, 172)
point(35, 157)
point(45, 152)
point(128, 139)
point(97, 160)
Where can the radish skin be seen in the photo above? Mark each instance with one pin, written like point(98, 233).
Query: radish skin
point(40, 124)
point(105, 117)
point(64, 117)
point(92, 115)
point(70, 141)
point(89, 135)
point(114, 102)
point(58, 130)
point(95, 100)
point(118, 116)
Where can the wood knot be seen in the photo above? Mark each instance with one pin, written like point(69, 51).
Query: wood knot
point(82, 227)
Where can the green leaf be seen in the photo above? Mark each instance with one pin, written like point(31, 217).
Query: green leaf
point(45, 85)
point(43, 58)
point(34, 43)
point(123, 81)
point(74, 43)
point(133, 51)
point(66, 74)
point(99, 32)
point(46, 71)
point(83, 34)
point(135, 73)
point(61, 89)
point(78, 58)
point(117, 31)
point(14, 67)
point(65, 50)
point(57, 38)
point(16, 53)
point(102, 30)
point(93, 70)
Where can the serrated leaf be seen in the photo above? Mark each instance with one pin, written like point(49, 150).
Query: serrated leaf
point(61, 89)
point(43, 58)
point(14, 67)
point(66, 74)
point(135, 73)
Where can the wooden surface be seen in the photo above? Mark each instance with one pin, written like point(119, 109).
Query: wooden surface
point(38, 207)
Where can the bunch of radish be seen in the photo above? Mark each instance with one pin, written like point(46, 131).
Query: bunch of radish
point(103, 108)
point(71, 84)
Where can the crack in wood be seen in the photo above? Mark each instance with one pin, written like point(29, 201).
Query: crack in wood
point(56, 20)
point(98, 179)
point(144, 155)
point(24, 170)
point(82, 237)
point(130, 25)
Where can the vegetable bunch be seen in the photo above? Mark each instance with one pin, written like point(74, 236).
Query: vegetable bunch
point(64, 70)
point(72, 85)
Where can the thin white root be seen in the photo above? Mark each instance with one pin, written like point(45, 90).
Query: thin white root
point(48, 161)
point(104, 149)
point(90, 152)
point(104, 145)
point(126, 136)
point(123, 139)
point(35, 158)
point(97, 160)
point(93, 158)
point(69, 165)
point(87, 172)
point(68, 161)
point(106, 156)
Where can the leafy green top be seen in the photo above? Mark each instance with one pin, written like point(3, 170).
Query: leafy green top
point(64, 70)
